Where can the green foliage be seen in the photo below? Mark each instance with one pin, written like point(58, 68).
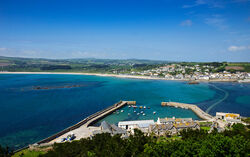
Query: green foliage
point(192, 143)
point(5, 152)
point(28, 153)
point(246, 120)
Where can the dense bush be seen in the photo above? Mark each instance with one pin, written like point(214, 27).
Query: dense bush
point(5, 152)
point(192, 143)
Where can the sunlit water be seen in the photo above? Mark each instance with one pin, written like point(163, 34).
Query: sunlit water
point(28, 115)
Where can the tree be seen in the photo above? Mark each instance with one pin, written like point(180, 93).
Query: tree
point(5, 152)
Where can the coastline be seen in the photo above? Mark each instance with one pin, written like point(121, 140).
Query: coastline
point(123, 76)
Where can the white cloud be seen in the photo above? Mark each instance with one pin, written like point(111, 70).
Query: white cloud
point(186, 23)
point(216, 21)
point(3, 49)
point(238, 48)
point(209, 3)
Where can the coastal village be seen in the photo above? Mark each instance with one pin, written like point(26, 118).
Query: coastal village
point(164, 126)
point(195, 72)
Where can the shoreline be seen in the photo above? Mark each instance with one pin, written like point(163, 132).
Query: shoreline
point(121, 76)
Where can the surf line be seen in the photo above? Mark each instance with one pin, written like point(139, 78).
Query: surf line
point(219, 101)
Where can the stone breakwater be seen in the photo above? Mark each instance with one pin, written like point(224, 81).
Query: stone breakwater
point(84, 125)
point(199, 112)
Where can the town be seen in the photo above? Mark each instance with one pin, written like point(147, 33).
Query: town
point(189, 72)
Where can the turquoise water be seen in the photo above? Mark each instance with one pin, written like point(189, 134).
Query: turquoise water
point(28, 115)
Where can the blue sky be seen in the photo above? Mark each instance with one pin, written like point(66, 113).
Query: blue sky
point(188, 30)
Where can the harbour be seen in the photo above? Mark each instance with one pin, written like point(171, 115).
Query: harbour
point(43, 113)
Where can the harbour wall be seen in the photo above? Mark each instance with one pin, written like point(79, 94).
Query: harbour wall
point(199, 112)
point(89, 120)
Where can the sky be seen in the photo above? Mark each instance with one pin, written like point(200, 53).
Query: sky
point(173, 30)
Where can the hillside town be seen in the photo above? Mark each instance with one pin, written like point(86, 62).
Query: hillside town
point(196, 72)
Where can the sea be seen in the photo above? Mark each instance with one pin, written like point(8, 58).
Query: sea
point(35, 106)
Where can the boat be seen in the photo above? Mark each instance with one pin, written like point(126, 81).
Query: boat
point(154, 112)
point(128, 114)
point(144, 114)
point(122, 111)
point(148, 107)
point(141, 107)
point(141, 111)
point(145, 107)
point(129, 106)
point(138, 113)
point(134, 106)
point(134, 111)
point(117, 112)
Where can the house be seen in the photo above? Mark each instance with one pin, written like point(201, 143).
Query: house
point(112, 129)
point(173, 120)
point(187, 125)
point(162, 129)
point(142, 125)
point(229, 117)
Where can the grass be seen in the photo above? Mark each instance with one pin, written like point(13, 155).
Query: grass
point(28, 153)
point(205, 128)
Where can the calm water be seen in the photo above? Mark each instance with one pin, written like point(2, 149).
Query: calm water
point(28, 115)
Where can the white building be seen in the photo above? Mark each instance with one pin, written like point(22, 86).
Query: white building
point(142, 125)
point(229, 117)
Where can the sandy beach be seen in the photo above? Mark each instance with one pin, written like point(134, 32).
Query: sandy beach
point(123, 76)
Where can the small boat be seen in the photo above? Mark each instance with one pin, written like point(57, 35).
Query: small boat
point(134, 111)
point(128, 114)
point(117, 112)
point(129, 106)
point(138, 113)
point(141, 111)
point(122, 111)
point(175, 106)
point(154, 112)
point(145, 107)
point(141, 107)
point(148, 107)
point(144, 114)
point(134, 106)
